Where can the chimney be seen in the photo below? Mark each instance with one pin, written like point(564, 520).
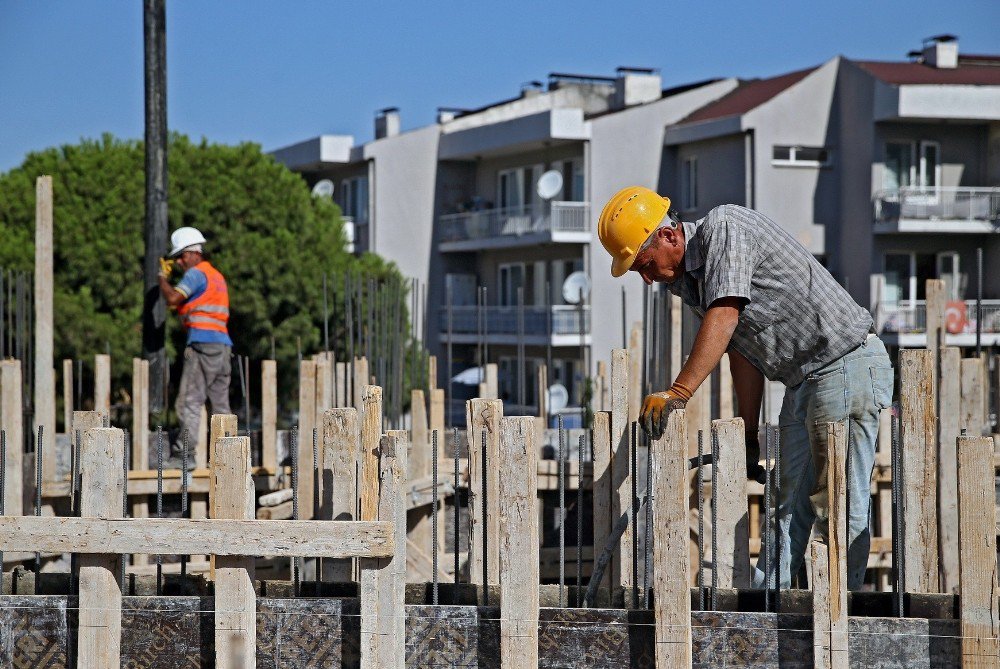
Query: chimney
point(636, 86)
point(941, 51)
point(387, 123)
point(531, 88)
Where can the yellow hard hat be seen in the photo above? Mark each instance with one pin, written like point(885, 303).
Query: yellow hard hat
point(628, 219)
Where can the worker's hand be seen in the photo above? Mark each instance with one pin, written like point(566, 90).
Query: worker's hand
point(657, 407)
point(755, 471)
point(166, 267)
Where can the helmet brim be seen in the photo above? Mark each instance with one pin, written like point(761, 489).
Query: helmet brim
point(619, 266)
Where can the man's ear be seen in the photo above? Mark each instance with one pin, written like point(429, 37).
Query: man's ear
point(668, 233)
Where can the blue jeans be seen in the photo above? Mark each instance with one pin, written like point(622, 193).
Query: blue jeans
point(853, 390)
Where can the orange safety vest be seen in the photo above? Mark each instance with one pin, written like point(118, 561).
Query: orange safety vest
point(210, 310)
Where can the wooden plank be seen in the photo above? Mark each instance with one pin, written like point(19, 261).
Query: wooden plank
point(235, 602)
point(420, 451)
point(919, 452)
point(432, 372)
point(725, 389)
point(102, 384)
point(484, 417)
point(67, 383)
point(341, 388)
point(340, 472)
point(671, 563)
point(12, 423)
point(269, 413)
point(283, 511)
point(491, 384)
point(676, 334)
point(836, 477)
point(224, 425)
point(973, 397)
point(437, 409)
point(947, 500)
point(45, 378)
point(633, 372)
point(275, 498)
point(324, 384)
point(820, 581)
point(621, 469)
point(172, 536)
point(602, 482)
point(978, 608)
point(936, 303)
point(371, 434)
point(733, 531)
point(307, 423)
point(140, 436)
point(601, 387)
point(392, 575)
point(359, 382)
point(102, 456)
point(518, 544)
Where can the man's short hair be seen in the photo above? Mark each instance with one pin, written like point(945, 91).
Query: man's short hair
point(674, 222)
point(195, 248)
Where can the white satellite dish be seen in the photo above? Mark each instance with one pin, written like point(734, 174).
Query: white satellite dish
point(576, 287)
point(323, 188)
point(549, 184)
point(558, 397)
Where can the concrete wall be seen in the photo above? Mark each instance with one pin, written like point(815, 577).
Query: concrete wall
point(721, 174)
point(964, 150)
point(488, 168)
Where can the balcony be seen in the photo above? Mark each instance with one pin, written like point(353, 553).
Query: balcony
point(935, 210)
point(501, 325)
point(553, 222)
point(905, 324)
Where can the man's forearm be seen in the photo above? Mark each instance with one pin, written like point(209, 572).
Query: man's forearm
point(748, 383)
point(713, 339)
point(170, 294)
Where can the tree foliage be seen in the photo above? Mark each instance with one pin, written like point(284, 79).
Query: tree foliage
point(271, 239)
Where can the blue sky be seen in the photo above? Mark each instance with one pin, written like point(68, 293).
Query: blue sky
point(279, 72)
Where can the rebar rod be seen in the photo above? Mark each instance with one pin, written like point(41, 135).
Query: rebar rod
point(124, 558)
point(3, 473)
point(767, 518)
point(447, 403)
point(633, 509)
point(315, 490)
point(979, 301)
point(579, 515)
point(715, 523)
point(777, 521)
point(700, 492)
point(647, 546)
point(434, 517)
point(293, 561)
point(562, 514)
point(74, 503)
point(455, 529)
point(899, 581)
point(38, 496)
point(184, 490)
point(326, 318)
point(159, 502)
point(521, 381)
point(486, 555)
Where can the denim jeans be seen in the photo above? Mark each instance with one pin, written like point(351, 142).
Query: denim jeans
point(852, 389)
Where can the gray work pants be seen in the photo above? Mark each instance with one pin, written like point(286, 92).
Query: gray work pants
point(207, 370)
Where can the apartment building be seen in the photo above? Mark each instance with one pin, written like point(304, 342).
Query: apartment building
point(888, 171)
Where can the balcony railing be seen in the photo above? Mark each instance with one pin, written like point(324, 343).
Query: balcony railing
point(564, 320)
point(944, 204)
point(516, 221)
point(911, 317)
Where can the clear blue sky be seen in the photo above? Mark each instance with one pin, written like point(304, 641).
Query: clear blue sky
point(279, 72)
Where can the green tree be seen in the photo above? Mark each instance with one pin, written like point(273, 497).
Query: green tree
point(271, 239)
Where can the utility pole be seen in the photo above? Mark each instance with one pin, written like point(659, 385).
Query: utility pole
point(154, 309)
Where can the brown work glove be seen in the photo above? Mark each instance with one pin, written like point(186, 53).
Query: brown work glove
point(656, 408)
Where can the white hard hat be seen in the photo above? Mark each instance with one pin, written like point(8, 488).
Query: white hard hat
point(183, 238)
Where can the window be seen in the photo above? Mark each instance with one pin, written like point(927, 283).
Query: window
point(906, 275)
point(573, 186)
point(354, 198)
point(800, 156)
point(516, 187)
point(689, 184)
point(510, 277)
point(912, 164)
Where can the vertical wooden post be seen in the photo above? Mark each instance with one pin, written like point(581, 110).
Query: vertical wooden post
point(733, 532)
point(360, 380)
point(936, 302)
point(140, 437)
point(601, 387)
point(12, 422)
point(836, 477)
point(484, 416)
point(45, 381)
point(235, 603)
point(102, 454)
point(437, 412)
point(919, 449)
point(699, 415)
point(820, 581)
point(601, 485)
point(490, 386)
point(432, 372)
point(341, 395)
point(420, 466)
point(519, 569)
point(307, 423)
point(224, 425)
point(978, 550)
point(340, 494)
point(671, 532)
point(67, 380)
point(633, 372)
point(676, 334)
point(371, 433)
point(725, 389)
point(621, 486)
point(947, 477)
point(199, 502)
point(269, 414)
point(973, 401)
point(102, 384)
point(324, 384)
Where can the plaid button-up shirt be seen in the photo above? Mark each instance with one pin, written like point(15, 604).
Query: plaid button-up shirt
point(797, 318)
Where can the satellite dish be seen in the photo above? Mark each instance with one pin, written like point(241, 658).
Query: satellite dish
point(575, 286)
point(557, 397)
point(549, 184)
point(323, 188)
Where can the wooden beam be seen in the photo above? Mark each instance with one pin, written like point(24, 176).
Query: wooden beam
point(978, 608)
point(437, 411)
point(973, 397)
point(235, 602)
point(600, 387)
point(919, 452)
point(307, 423)
point(102, 384)
point(283, 511)
point(489, 388)
point(340, 471)
point(733, 532)
point(633, 372)
point(420, 450)
point(186, 536)
point(45, 378)
point(671, 562)
point(102, 459)
point(725, 389)
point(518, 544)
point(820, 582)
point(392, 575)
point(837, 543)
point(483, 417)
point(269, 413)
point(324, 384)
point(12, 423)
point(676, 334)
point(621, 467)
point(140, 435)
point(359, 382)
point(225, 425)
point(936, 304)
point(432, 372)
point(949, 398)
point(602, 482)
point(371, 434)
point(67, 382)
